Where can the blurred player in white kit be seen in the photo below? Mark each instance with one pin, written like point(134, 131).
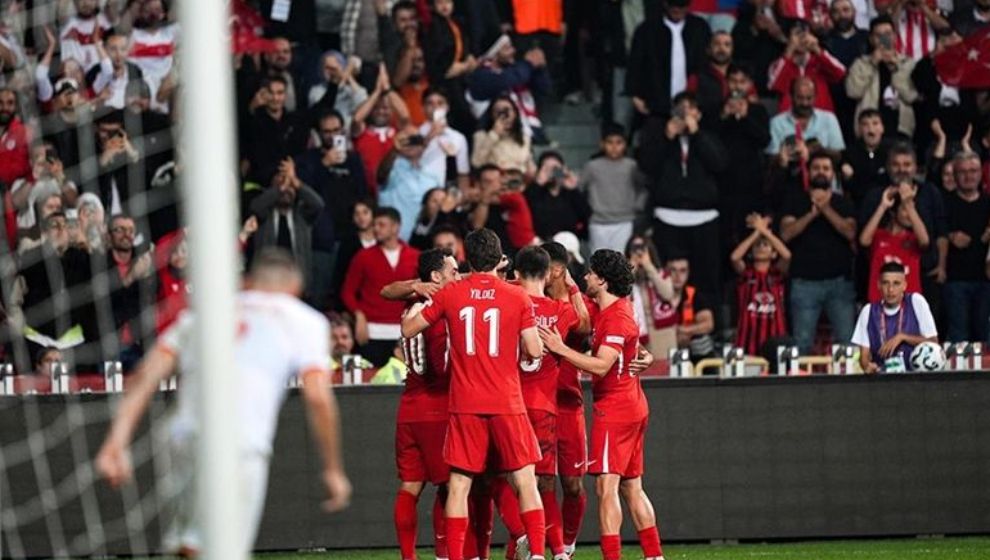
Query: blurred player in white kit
point(278, 337)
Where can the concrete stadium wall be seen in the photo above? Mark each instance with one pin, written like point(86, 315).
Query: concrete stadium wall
point(726, 459)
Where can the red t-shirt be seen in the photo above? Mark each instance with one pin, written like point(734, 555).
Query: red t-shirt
point(539, 376)
point(428, 381)
point(485, 317)
point(900, 248)
point(618, 394)
point(373, 144)
point(570, 396)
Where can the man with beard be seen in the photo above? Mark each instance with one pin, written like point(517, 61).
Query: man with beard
point(819, 222)
point(153, 41)
point(710, 84)
point(109, 78)
point(131, 279)
point(14, 140)
point(791, 130)
point(78, 38)
point(847, 43)
point(275, 132)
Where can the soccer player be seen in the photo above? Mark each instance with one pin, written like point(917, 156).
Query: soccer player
point(620, 407)
point(490, 323)
point(422, 417)
point(278, 336)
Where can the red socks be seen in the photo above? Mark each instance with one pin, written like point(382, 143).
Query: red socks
point(649, 539)
point(440, 524)
point(536, 531)
point(611, 547)
point(456, 532)
point(554, 522)
point(508, 508)
point(572, 512)
point(405, 523)
point(482, 520)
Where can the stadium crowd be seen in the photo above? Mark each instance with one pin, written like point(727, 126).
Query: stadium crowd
point(759, 162)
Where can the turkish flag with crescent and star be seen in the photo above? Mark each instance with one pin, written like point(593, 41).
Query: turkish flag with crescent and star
point(967, 64)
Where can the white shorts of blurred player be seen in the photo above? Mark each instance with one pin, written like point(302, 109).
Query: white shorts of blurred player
point(183, 526)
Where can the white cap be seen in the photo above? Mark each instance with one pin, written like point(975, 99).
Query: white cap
point(492, 51)
point(571, 243)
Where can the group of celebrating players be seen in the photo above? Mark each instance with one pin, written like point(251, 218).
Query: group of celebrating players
point(493, 410)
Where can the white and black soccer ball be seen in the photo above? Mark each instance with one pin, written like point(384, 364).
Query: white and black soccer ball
point(928, 356)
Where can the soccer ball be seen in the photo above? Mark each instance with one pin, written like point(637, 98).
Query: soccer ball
point(928, 356)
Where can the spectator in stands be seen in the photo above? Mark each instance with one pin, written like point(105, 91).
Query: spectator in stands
point(502, 208)
point(14, 140)
point(337, 175)
point(405, 180)
point(341, 339)
point(275, 133)
point(109, 78)
point(804, 57)
point(403, 30)
point(973, 19)
point(917, 23)
point(444, 144)
point(615, 28)
point(815, 223)
point(132, 290)
point(287, 212)
point(41, 288)
point(887, 330)
point(47, 179)
point(662, 56)
point(436, 205)
point(377, 319)
point(694, 311)
point(373, 128)
point(760, 261)
point(881, 80)
point(895, 233)
point(864, 161)
point(449, 61)
point(846, 42)
point(92, 230)
point(80, 35)
point(967, 291)
point(410, 79)
point(362, 236)
point(501, 74)
point(502, 141)
point(651, 295)
point(339, 74)
point(743, 126)
point(902, 171)
point(555, 198)
point(615, 189)
point(44, 359)
point(710, 84)
point(364, 32)
point(116, 156)
point(449, 239)
point(955, 109)
point(758, 39)
point(790, 131)
point(683, 161)
point(540, 24)
point(939, 171)
point(171, 260)
point(154, 39)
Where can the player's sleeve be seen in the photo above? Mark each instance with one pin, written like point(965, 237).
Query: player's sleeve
point(312, 346)
point(860, 335)
point(433, 311)
point(613, 336)
point(926, 322)
point(527, 319)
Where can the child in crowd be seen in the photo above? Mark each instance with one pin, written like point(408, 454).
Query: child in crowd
point(760, 288)
point(616, 192)
point(895, 233)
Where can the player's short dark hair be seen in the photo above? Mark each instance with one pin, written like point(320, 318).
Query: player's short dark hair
point(388, 212)
point(611, 129)
point(868, 114)
point(558, 253)
point(532, 263)
point(430, 261)
point(483, 250)
point(894, 267)
point(613, 267)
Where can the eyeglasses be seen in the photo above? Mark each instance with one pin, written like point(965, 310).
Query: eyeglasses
point(123, 230)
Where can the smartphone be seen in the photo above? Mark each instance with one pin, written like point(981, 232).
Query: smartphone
point(340, 143)
point(886, 41)
point(738, 94)
point(416, 140)
point(440, 115)
point(679, 112)
point(557, 174)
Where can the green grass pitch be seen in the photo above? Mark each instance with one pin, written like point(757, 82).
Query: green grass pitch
point(971, 548)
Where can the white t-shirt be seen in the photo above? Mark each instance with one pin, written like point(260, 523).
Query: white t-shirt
point(434, 160)
point(926, 323)
point(278, 336)
point(77, 39)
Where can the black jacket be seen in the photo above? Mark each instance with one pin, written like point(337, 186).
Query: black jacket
point(670, 186)
point(648, 68)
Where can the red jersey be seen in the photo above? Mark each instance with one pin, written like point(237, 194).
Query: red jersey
point(373, 144)
point(570, 396)
point(428, 381)
point(485, 317)
point(900, 248)
point(618, 394)
point(761, 308)
point(539, 376)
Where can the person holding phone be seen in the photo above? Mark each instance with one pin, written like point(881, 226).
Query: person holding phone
point(501, 140)
point(805, 57)
point(446, 154)
point(881, 80)
point(405, 180)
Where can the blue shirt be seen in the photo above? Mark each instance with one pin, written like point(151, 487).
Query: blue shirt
point(822, 126)
point(404, 191)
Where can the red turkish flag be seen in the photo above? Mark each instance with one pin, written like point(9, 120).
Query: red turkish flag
point(967, 64)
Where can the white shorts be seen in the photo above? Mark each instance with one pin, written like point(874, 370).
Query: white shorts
point(183, 525)
point(609, 236)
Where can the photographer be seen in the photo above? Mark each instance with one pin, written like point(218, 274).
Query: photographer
point(881, 80)
point(404, 180)
point(555, 198)
point(501, 141)
point(804, 57)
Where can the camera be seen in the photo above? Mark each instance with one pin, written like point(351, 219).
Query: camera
point(117, 134)
point(557, 174)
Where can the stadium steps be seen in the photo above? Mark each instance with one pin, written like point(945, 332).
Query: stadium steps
point(575, 129)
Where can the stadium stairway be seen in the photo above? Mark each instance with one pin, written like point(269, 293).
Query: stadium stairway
point(574, 129)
